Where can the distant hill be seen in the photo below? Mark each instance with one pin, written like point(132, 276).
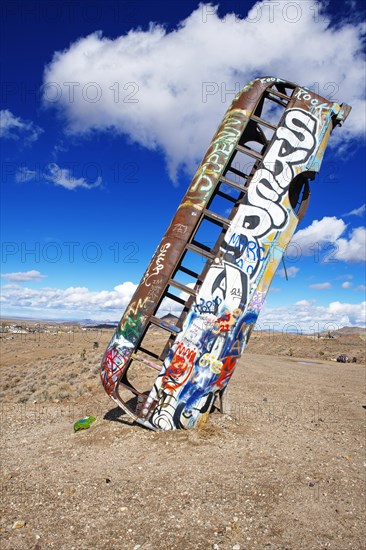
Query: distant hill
point(86, 322)
point(344, 331)
point(104, 325)
point(352, 330)
point(171, 319)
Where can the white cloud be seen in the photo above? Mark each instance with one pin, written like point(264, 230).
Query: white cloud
point(352, 249)
point(60, 147)
point(24, 174)
point(291, 272)
point(351, 310)
point(308, 317)
point(13, 127)
point(63, 177)
point(357, 211)
point(346, 284)
point(148, 84)
point(304, 303)
point(320, 286)
point(23, 276)
point(319, 232)
point(328, 230)
point(57, 175)
point(72, 300)
point(361, 288)
point(80, 302)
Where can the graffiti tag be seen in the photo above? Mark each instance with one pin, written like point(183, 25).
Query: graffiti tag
point(159, 264)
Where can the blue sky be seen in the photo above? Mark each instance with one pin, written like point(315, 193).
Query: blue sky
point(107, 109)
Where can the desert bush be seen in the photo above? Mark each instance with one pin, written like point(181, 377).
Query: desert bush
point(65, 386)
point(64, 394)
point(90, 386)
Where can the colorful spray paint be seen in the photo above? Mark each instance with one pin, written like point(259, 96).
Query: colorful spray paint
point(215, 326)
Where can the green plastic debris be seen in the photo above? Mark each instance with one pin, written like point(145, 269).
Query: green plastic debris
point(84, 423)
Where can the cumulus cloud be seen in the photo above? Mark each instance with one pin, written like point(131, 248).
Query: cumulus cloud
point(291, 272)
point(354, 311)
point(79, 302)
point(357, 211)
point(306, 316)
point(328, 230)
point(361, 288)
point(320, 286)
point(352, 249)
point(24, 276)
point(72, 300)
point(168, 90)
point(56, 175)
point(13, 127)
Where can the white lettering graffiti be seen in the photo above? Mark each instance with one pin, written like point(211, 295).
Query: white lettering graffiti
point(159, 265)
point(295, 142)
point(263, 211)
point(306, 96)
point(180, 228)
point(271, 79)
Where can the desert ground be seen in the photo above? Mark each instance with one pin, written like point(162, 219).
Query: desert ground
point(283, 468)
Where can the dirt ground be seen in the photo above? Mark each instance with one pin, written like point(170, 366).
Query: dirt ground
point(283, 468)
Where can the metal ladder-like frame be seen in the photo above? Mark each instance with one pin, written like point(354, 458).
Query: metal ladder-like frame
point(252, 132)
